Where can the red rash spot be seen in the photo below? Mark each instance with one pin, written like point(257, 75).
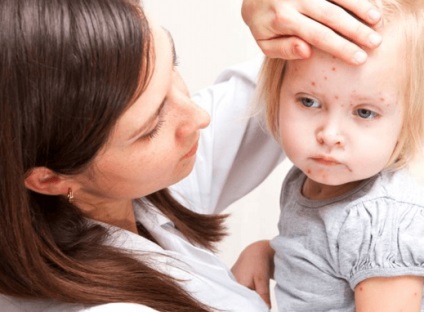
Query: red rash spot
point(382, 99)
point(336, 97)
point(333, 69)
point(313, 83)
point(308, 171)
point(325, 78)
point(360, 288)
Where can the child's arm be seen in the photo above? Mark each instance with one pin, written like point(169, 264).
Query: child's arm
point(255, 267)
point(389, 294)
point(288, 28)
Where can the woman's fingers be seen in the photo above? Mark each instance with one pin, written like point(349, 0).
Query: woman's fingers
point(289, 48)
point(364, 10)
point(285, 28)
point(346, 23)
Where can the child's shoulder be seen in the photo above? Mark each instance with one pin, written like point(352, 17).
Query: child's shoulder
point(380, 230)
point(391, 200)
point(398, 186)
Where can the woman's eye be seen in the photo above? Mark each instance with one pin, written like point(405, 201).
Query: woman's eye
point(149, 136)
point(154, 132)
point(365, 113)
point(308, 102)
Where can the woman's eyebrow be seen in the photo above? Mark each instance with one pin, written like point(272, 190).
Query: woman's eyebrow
point(146, 125)
point(171, 40)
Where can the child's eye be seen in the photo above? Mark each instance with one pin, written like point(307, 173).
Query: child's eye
point(308, 102)
point(365, 113)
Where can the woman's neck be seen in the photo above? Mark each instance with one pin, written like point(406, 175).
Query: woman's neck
point(120, 214)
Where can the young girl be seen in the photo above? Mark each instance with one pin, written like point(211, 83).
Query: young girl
point(352, 218)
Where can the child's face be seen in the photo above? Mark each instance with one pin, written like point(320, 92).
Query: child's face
point(340, 123)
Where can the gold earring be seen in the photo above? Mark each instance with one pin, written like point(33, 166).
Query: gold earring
point(70, 195)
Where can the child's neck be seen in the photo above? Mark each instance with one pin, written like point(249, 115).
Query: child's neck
point(314, 190)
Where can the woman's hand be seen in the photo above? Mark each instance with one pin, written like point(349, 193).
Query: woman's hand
point(288, 28)
point(255, 267)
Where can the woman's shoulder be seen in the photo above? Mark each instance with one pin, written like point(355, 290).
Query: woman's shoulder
point(119, 306)
point(11, 304)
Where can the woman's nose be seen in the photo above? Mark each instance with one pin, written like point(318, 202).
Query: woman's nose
point(203, 117)
point(192, 117)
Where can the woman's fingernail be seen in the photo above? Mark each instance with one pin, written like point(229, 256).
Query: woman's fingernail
point(375, 39)
point(374, 15)
point(360, 57)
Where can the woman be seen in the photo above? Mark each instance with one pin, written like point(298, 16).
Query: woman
point(95, 124)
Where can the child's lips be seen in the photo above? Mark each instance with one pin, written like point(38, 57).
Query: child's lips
point(326, 160)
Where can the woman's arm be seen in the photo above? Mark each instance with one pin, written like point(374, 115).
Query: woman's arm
point(389, 294)
point(288, 28)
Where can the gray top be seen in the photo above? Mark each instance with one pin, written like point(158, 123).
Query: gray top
point(326, 247)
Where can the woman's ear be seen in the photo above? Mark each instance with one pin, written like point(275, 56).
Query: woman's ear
point(45, 181)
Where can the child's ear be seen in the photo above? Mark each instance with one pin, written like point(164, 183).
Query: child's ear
point(45, 181)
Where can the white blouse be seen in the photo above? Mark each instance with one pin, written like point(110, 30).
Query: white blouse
point(235, 155)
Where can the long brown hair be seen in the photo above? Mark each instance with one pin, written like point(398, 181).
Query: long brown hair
point(68, 70)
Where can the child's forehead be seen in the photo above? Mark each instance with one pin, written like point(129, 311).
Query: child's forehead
point(384, 65)
point(327, 78)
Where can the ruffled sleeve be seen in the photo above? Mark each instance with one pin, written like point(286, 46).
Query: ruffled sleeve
point(382, 238)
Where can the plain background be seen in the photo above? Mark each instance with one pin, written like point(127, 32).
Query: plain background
point(209, 36)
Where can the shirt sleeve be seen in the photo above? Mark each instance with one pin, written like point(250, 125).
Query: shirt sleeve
point(380, 238)
point(235, 152)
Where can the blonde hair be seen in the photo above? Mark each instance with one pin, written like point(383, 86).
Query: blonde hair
point(409, 15)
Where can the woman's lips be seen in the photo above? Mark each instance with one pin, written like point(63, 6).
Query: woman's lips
point(192, 152)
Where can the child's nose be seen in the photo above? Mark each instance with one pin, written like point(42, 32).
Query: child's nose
point(330, 135)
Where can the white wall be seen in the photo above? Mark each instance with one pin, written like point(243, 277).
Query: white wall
point(210, 35)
